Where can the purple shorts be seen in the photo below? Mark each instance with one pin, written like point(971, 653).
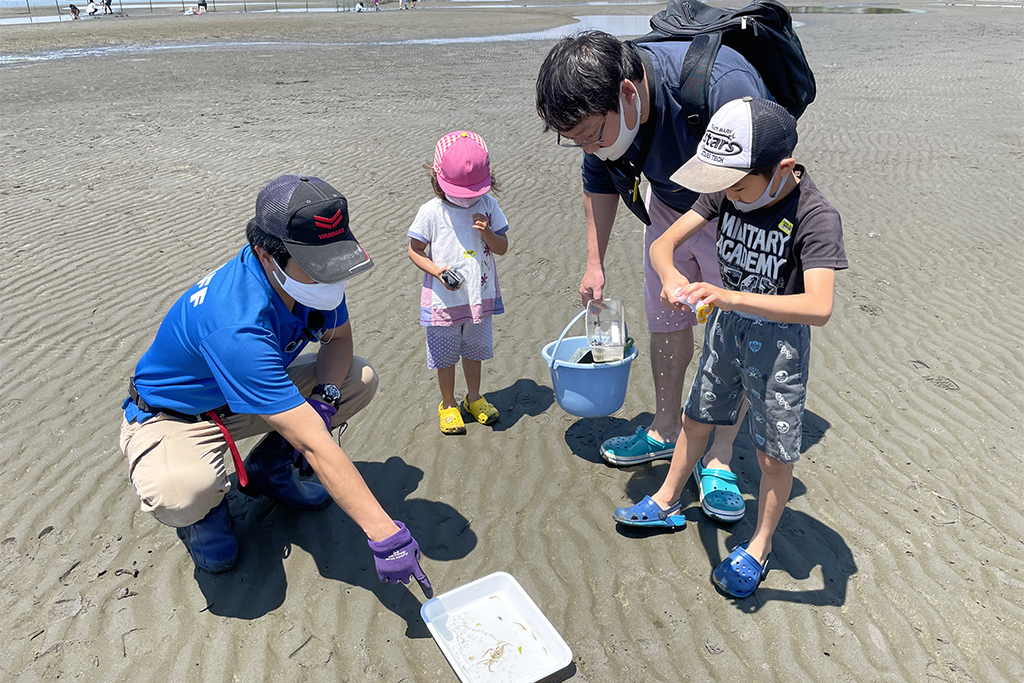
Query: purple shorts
point(446, 344)
point(696, 259)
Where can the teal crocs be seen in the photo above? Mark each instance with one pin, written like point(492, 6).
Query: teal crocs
point(720, 497)
point(623, 451)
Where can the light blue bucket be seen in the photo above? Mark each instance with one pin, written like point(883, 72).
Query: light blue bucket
point(586, 389)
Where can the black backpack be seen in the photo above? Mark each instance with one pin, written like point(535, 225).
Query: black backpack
point(762, 32)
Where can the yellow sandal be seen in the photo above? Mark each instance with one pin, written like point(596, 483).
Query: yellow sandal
point(482, 411)
point(451, 420)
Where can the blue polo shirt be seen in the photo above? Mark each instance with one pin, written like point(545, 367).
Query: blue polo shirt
point(732, 77)
point(227, 341)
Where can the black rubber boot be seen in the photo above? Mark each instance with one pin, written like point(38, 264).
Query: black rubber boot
point(211, 542)
point(272, 473)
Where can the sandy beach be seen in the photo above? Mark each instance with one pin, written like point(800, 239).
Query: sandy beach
point(127, 175)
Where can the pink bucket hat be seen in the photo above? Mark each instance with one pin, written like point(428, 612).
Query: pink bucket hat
point(462, 165)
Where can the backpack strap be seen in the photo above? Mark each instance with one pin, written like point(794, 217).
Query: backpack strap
point(695, 79)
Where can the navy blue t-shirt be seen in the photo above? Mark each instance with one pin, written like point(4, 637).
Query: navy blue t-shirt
point(732, 77)
point(227, 341)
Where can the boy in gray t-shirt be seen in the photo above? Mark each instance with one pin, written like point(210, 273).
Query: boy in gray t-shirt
point(779, 245)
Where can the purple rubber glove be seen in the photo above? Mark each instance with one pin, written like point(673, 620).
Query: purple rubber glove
point(326, 412)
point(398, 557)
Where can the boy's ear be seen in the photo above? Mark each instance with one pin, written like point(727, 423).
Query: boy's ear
point(787, 165)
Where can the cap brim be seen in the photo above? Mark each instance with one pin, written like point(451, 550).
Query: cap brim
point(704, 178)
point(331, 263)
point(462, 192)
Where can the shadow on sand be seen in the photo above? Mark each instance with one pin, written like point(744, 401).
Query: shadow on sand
point(267, 532)
point(801, 542)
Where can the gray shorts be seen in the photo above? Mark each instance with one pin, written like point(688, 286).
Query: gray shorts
point(447, 343)
point(767, 362)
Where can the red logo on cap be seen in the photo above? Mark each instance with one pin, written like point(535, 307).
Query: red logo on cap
point(324, 223)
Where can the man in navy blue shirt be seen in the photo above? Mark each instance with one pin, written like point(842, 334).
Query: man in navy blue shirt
point(225, 365)
point(621, 103)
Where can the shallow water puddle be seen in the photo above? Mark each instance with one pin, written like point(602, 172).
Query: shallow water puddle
point(618, 25)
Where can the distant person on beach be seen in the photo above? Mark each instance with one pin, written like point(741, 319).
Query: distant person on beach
point(617, 101)
point(106, 7)
point(92, 8)
point(376, 5)
point(464, 228)
point(75, 12)
point(757, 341)
point(225, 365)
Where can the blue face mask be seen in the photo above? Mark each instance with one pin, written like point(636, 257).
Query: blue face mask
point(766, 197)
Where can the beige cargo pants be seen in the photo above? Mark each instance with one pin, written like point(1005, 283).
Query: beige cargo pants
point(177, 467)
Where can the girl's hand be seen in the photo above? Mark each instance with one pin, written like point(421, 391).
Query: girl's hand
point(668, 290)
point(709, 294)
point(440, 276)
point(481, 222)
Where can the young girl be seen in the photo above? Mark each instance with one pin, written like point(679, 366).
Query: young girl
point(465, 229)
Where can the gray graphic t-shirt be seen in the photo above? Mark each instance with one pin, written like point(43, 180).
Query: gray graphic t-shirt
point(767, 251)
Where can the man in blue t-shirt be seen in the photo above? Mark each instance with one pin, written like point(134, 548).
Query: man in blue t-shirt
point(225, 365)
point(621, 103)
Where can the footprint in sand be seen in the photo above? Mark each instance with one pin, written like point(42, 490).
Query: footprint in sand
point(871, 309)
point(940, 381)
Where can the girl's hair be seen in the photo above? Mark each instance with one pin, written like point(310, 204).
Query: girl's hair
point(439, 193)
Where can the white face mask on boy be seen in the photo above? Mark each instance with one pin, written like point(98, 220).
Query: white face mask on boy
point(626, 135)
point(766, 197)
point(318, 296)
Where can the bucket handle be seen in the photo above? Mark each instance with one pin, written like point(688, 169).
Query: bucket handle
point(554, 351)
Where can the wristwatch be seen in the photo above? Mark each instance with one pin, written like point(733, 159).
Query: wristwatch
point(329, 393)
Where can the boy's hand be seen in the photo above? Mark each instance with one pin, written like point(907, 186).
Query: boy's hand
point(709, 294)
point(481, 221)
point(668, 290)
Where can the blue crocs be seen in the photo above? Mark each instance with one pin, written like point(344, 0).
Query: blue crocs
point(623, 451)
point(648, 513)
point(720, 497)
point(740, 574)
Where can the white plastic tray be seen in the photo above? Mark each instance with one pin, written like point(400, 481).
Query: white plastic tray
point(490, 630)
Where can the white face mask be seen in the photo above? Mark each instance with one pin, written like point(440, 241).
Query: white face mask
point(766, 197)
point(626, 136)
point(461, 202)
point(318, 296)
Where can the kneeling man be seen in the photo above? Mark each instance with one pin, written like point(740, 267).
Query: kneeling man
point(224, 366)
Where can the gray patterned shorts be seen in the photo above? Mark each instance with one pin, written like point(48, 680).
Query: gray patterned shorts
point(765, 360)
point(447, 344)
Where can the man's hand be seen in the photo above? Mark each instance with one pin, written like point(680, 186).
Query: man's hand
point(592, 286)
point(397, 558)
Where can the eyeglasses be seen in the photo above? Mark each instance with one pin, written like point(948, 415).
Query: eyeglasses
point(566, 142)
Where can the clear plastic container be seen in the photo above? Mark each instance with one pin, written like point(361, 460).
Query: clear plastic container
point(606, 329)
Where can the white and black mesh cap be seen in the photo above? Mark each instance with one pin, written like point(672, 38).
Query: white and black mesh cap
point(311, 218)
point(743, 135)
